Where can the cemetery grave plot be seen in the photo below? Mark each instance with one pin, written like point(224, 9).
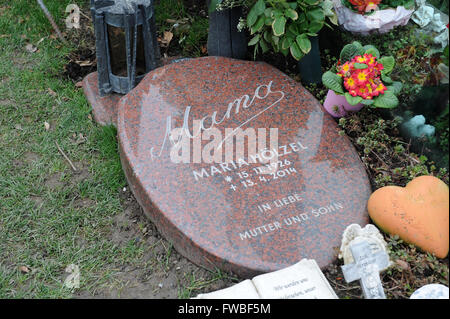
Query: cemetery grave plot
point(372, 160)
point(412, 268)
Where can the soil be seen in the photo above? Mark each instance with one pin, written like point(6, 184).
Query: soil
point(412, 269)
point(166, 272)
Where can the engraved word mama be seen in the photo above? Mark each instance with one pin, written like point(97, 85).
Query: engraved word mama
point(178, 136)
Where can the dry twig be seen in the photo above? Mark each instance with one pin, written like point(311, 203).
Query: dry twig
point(50, 18)
point(65, 156)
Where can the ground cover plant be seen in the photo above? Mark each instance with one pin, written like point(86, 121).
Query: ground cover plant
point(53, 215)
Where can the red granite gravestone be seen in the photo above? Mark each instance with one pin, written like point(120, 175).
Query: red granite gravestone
point(104, 108)
point(230, 215)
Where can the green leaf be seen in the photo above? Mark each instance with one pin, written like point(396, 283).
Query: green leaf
point(295, 51)
point(260, 7)
point(352, 100)
point(301, 17)
point(286, 43)
point(315, 26)
point(370, 49)
point(255, 52)
point(349, 51)
point(303, 43)
point(268, 12)
point(311, 2)
point(267, 35)
point(396, 87)
point(291, 13)
point(285, 52)
point(275, 40)
point(333, 82)
point(278, 26)
point(360, 66)
point(359, 47)
point(254, 40)
point(387, 100)
point(327, 7)
point(386, 79)
point(276, 13)
point(315, 15)
point(258, 25)
point(264, 45)
point(251, 17)
point(366, 102)
point(388, 63)
point(334, 19)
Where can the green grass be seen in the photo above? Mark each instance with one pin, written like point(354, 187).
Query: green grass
point(192, 31)
point(50, 215)
point(41, 225)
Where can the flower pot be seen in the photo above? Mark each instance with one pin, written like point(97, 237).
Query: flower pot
point(380, 21)
point(224, 39)
point(338, 106)
point(309, 66)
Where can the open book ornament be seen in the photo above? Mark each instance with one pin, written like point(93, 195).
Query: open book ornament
point(304, 280)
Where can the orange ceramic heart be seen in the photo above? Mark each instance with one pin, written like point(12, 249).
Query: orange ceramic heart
point(417, 213)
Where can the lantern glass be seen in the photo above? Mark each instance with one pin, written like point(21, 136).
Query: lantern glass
point(140, 53)
point(117, 50)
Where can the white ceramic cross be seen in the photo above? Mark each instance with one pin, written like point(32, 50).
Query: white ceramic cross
point(366, 268)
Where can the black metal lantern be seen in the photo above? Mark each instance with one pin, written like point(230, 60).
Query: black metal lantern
point(126, 43)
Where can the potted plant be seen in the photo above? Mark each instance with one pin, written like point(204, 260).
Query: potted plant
point(361, 77)
point(366, 16)
point(291, 28)
point(286, 26)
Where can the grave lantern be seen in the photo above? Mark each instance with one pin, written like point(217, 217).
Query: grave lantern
point(126, 44)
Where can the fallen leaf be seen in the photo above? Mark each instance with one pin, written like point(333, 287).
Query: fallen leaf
point(73, 20)
point(79, 84)
point(39, 42)
point(167, 37)
point(51, 92)
point(73, 280)
point(30, 48)
point(403, 264)
point(18, 127)
point(47, 126)
point(81, 139)
point(85, 63)
point(24, 269)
